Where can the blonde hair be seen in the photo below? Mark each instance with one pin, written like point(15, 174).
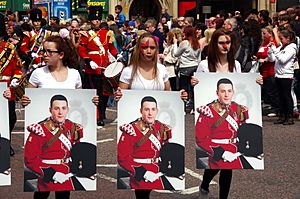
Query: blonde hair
point(208, 34)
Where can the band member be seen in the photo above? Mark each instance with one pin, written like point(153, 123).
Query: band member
point(47, 148)
point(139, 147)
point(10, 72)
point(217, 125)
point(93, 48)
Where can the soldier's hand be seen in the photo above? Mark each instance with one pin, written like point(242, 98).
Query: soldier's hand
point(259, 80)
point(93, 65)
point(194, 81)
point(7, 93)
point(150, 176)
point(60, 177)
point(25, 100)
point(229, 156)
point(118, 94)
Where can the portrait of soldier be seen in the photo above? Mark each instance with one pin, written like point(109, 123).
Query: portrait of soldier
point(52, 150)
point(217, 128)
point(144, 150)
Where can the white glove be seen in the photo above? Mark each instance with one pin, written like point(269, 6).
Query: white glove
point(34, 55)
point(229, 157)
point(150, 176)
point(14, 83)
point(93, 65)
point(119, 57)
point(60, 177)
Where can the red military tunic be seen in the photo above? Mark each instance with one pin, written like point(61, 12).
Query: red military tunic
point(10, 64)
point(95, 45)
point(213, 132)
point(131, 156)
point(40, 153)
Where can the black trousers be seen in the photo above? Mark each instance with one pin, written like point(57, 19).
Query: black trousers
point(224, 180)
point(286, 104)
point(142, 194)
point(270, 92)
point(58, 195)
point(12, 115)
point(96, 82)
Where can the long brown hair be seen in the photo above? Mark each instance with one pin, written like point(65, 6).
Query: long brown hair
point(214, 53)
point(64, 45)
point(136, 59)
point(191, 35)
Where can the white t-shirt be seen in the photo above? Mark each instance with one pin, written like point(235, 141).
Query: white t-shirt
point(140, 83)
point(203, 67)
point(42, 78)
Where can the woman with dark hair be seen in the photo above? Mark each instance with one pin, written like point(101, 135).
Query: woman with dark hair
point(59, 72)
point(190, 55)
point(220, 59)
point(284, 57)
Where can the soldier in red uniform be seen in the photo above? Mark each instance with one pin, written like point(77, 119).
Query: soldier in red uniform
point(47, 150)
point(10, 72)
point(217, 125)
point(139, 147)
point(93, 48)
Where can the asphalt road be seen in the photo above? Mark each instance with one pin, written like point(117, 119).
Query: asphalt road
point(279, 179)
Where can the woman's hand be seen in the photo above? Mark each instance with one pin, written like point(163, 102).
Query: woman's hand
point(260, 80)
point(194, 81)
point(118, 94)
point(95, 100)
point(25, 100)
point(183, 95)
point(7, 93)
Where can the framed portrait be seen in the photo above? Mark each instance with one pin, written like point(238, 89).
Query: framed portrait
point(60, 140)
point(228, 121)
point(5, 169)
point(150, 140)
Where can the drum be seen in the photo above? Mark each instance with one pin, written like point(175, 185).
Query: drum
point(112, 74)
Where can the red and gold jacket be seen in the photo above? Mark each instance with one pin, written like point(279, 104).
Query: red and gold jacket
point(216, 132)
point(47, 150)
point(135, 153)
point(95, 46)
point(10, 64)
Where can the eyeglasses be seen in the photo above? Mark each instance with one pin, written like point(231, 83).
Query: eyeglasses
point(49, 52)
point(224, 42)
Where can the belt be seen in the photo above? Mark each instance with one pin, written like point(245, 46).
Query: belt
point(57, 161)
point(95, 53)
point(146, 160)
point(224, 141)
point(5, 77)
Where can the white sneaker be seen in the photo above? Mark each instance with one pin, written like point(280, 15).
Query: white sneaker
point(272, 115)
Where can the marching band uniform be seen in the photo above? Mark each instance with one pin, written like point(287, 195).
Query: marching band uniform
point(216, 132)
point(138, 151)
point(93, 49)
point(47, 151)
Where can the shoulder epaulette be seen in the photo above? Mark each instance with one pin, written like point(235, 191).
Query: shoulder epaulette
point(36, 129)
point(205, 111)
point(128, 128)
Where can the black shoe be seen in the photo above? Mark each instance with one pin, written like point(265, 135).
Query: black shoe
point(100, 123)
point(280, 120)
point(12, 151)
point(204, 191)
point(289, 121)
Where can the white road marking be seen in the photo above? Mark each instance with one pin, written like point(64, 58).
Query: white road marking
point(197, 175)
point(107, 165)
point(17, 132)
point(20, 120)
point(111, 110)
point(106, 140)
point(105, 177)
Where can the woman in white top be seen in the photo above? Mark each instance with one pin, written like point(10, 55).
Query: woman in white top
point(144, 73)
point(284, 57)
point(59, 72)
